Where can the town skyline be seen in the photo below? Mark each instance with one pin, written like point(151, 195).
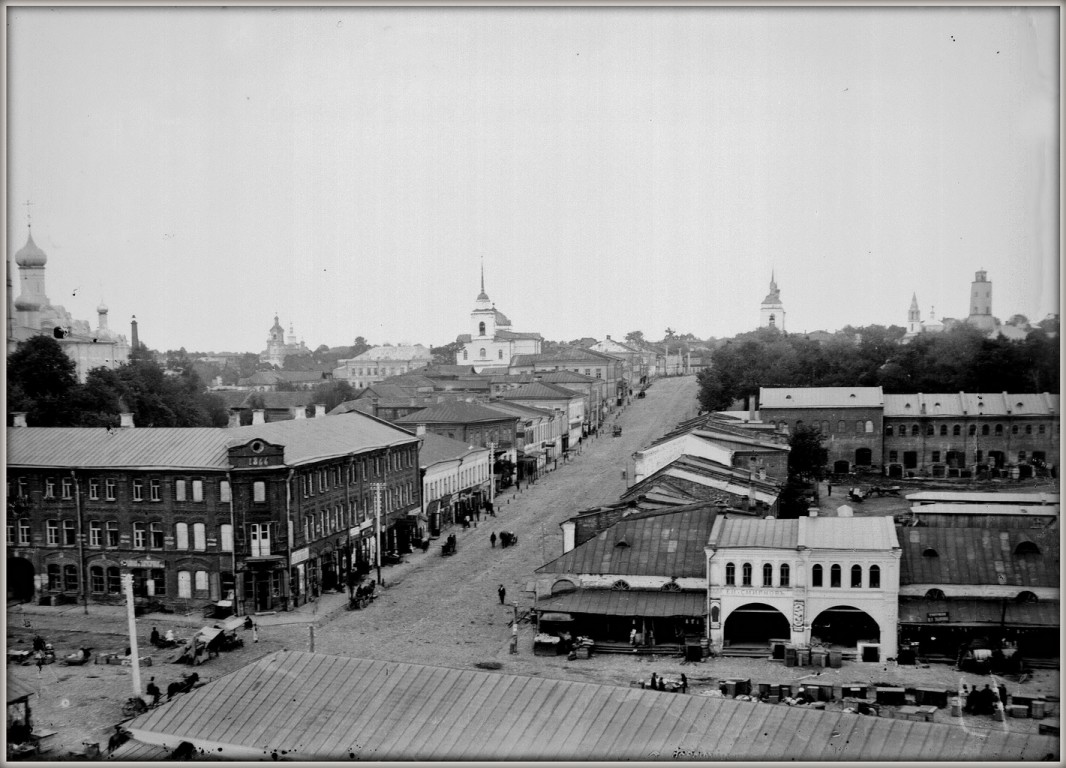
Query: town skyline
point(350, 168)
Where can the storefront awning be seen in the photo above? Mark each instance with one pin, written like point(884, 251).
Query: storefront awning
point(962, 612)
point(610, 602)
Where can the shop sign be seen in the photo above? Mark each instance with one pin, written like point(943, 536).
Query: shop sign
point(937, 617)
point(145, 563)
point(299, 556)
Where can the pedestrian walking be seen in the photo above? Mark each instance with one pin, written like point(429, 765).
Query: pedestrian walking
point(514, 638)
point(502, 593)
point(492, 538)
point(828, 489)
point(154, 637)
point(684, 683)
point(654, 682)
point(153, 691)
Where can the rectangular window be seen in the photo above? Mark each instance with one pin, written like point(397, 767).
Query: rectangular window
point(109, 489)
point(185, 584)
point(23, 488)
point(936, 457)
point(114, 581)
point(138, 536)
point(138, 490)
point(52, 532)
point(158, 579)
point(893, 455)
point(199, 537)
point(24, 532)
point(225, 536)
point(156, 530)
point(111, 526)
point(67, 488)
point(10, 531)
point(201, 583)
point(70, 578)
point(179, 490)
point(181, 535)
point(96, 580)
point(96, 533)
point(259, 492)
point(154, 492)
point(223, 491)
point(197, 490)
point(94, 489)
point(260, 539)
point(50, 488)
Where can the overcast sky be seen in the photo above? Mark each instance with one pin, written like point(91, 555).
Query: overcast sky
point(616, 169)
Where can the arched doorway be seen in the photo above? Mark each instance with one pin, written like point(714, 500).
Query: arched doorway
point(845, 625)
point(841, 467)
point(864, 457)
point(755, 624)
point(20, 579)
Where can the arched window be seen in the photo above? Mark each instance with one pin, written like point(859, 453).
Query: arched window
point(785, 574)
point(999, 430)
point(888, 430)
point(973, 430)
point(1027, 548)
point(856, 577)
point(934, 594)
point(767, 575)
point(875, 577)
point(930, 430)
point(943, 430)
point(1026, 597)
point(480, 329)
point(1014, 429)
point(499, 354)
point(956, 430)
point(620, 585)
point(841, 426)
point(96, 580)
point(984, 429)
point(730, 574)
point(481, 353)
point(869, 426)
point(816, 576)
point(858, 427)
point(834, 576)
point(1028, 429)
point(915, 430)
point(70, 578)
point(746, 575)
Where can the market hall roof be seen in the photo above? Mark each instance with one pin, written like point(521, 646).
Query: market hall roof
point(973, 612)
point(304, 440)
point(978, 556)
point(960, 404)
point(656, 543)
point(816, 533)
point(304, 706)
point(820, 397)
point(628, 602)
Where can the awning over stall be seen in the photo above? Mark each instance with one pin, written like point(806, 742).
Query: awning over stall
point(978, 613)
point(610, 602)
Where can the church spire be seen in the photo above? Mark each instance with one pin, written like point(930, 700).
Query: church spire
point(482, 296)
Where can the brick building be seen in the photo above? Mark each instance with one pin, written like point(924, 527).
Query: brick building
point(273, 512)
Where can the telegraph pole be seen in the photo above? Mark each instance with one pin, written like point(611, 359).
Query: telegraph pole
point(377, 488)
point(135, 662)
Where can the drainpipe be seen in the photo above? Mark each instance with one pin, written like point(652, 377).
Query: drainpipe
point(81, 544)
point(289, 532)
point(233, 544)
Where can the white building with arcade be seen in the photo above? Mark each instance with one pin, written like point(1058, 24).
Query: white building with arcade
point(828, 580)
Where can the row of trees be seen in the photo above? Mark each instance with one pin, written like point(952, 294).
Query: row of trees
point(959, 360)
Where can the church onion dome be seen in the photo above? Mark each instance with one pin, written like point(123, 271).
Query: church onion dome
point(26, 304)
point(30, 255)
point(774, 297)
point(102, 309)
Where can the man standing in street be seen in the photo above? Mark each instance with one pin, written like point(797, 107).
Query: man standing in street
point(492, 538)
point(502, 593)
point(828, 489)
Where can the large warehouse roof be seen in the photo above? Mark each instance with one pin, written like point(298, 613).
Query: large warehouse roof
point(305, 706)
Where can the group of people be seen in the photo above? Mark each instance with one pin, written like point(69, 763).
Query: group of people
point(981, 701)
point(506, 539)
point(659, 683)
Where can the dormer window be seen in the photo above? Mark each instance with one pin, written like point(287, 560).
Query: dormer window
point(1027, 548)
point(930, 552)
point(620, 585)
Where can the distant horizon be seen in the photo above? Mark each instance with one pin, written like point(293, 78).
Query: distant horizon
point(352, 168)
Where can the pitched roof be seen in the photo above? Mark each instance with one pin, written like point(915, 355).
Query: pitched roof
point(635, 602)
point(568, 354)
point(972, 404)
point(999, 497)
point(510, 335)
point(397, 352)
point(820, 397)
point(975, 556)
point(309, 706)
point(305, 440)
point(561, 377)
point(817, 533)
point(974, 612)
point(436, 448)
point(523, 411)
point(764, 534)
point(232, 398)
point(458, 412)
point(666, 543)
point(538, 390)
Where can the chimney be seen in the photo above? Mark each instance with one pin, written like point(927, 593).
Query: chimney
point(420, 429)
point(608, 337)
point(258, 416)
point(133, 333)
point(569, 530)
point(320, 410)
point(299, 411)
point(234, 419)
point(812, 512)
point(125, 420)
point(19, 419)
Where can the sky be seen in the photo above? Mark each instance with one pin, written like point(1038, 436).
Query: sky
point(614, 169)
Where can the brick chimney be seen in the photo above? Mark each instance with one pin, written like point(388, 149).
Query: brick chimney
point(234, 419)
point(258, 416)
point(19, 419)
point(125, 420)
point(320, 410)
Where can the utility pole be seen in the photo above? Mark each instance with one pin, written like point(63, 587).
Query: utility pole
point(492, 470)
point(135, 662)
point(377, 488)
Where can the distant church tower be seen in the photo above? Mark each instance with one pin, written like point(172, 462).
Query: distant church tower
point(981, 303)
point(772, 314)
point(914, 317)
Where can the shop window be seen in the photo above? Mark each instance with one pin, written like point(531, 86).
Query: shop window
point(834, 576)
point(767, 575)
point(816, 576)
point(785, 575)
point(875, 577)
point(745, 572)
point(730, 574)
point(856, 577)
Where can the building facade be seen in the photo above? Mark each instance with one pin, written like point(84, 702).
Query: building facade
point(379, 363)
point(491, 341)
point(271, 514)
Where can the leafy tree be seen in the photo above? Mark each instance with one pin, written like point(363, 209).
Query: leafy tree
point(333, 393)
point(41, 379)
point(635, 337)
point(806, 455)
point(444, 355)
point(301, 362)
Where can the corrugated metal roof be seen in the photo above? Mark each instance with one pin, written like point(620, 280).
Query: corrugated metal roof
point(437, 448)
point(766, 534)
point(971, 404)
point(974, 556)
point(457, 412)
point(871, 533)
point(304, 706)
point(916, 610)
point(612, 602)
point(963, 497)
point(820, 397)
point(538, 390)
point(196, 447)
point(667, 543)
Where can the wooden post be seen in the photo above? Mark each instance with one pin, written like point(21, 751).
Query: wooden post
point(127, 582)
point(311, 638)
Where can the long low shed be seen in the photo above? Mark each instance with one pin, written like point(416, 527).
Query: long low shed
point(295, 705)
